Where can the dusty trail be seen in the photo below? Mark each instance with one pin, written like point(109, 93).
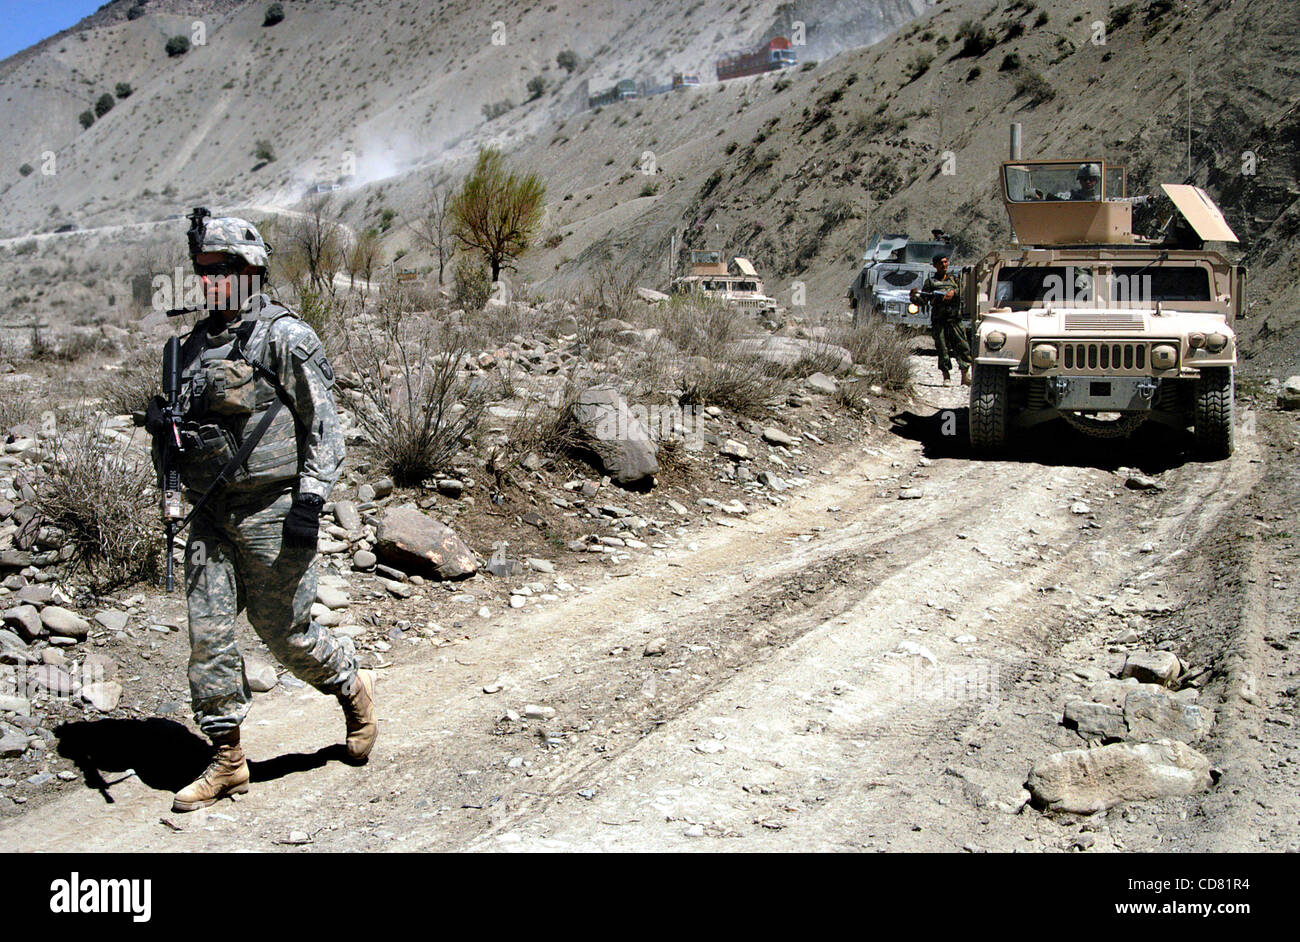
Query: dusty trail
point(884, 682)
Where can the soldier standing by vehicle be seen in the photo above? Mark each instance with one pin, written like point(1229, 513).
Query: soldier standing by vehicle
point(945, 320)
point(259, 450)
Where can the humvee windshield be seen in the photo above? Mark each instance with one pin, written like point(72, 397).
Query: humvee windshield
point(1029, 183)
point(902, 279)
point(1020, 288)
point(1137, 283)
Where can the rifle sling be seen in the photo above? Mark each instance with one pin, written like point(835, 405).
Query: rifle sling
point(246, 449)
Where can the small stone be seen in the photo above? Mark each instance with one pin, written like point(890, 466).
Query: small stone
point(821, 383)
point(331, 597)
point(382, 488)
point(364, 560)
point(13, 741)
point(534, 712)
point(1153, 667)
point(401, 590)
point(735, 450)
point(540, 565)
point(11, 704)
point(656, 648)
point(112, 620)
point(365, 493)
point(1080, 508)
point(25, 620)
point(494, 687)
point(518, 601)
point(261, 675)
point(103, 696)
point(345, 512)
point(59, 621)
point(774, 436)
point(911, 493)
point(695, 830)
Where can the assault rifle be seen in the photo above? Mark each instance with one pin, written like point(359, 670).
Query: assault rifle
point(169, 449)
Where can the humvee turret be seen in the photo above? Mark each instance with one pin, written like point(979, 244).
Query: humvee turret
point(1085, 321)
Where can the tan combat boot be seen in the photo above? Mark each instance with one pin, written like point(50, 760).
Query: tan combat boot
point(965, 375)
point(359, 711)
point(226, 775)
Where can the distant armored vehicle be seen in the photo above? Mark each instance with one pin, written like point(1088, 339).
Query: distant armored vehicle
point(625, 90)
point(711, 277)
point(1085, 321)
point(893, 265)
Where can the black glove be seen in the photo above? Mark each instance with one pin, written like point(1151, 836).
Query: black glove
point(302, 525)
point(155, 419)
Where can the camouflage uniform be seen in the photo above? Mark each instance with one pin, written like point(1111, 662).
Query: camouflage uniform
point(945, 323)
point(236, 557)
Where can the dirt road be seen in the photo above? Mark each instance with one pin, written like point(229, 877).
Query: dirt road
point(856, 669)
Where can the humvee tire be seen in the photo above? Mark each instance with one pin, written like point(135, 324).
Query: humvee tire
point(1213, 413)
point(988, 409)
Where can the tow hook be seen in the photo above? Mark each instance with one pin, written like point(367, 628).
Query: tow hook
point(1147, 388)
point(1061, 385)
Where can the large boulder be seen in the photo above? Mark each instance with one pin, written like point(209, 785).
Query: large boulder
point(414, 542)
point(1085, 781)
point(787, 351)
point(619, 439)
point(1289, 397)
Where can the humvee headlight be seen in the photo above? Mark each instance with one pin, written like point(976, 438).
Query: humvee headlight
point(1196, 340)
point(913, 309)
point(1215, 343)
point(995, 340)
point(1043, 356)
point(1164, 357)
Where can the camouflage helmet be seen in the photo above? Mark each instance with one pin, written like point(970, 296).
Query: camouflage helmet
point(235, 236)
point(1089, 172)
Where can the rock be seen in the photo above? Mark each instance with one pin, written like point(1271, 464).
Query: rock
point(771, 481)
point(26, 620)
point(332, 597)
point(503, 566)
point(345, 512)
point(66, 624)
point(13, 741)
point(331, 547)
point(450, 487)
point(534, 712)
point(382, 488)
point(911, 493)
point(656, 648)
point(364, 560)
point(1141, 482)
point(103, 696)
point(98, 667)
point(1085, 781)
point(37, 595)
point(11, 644)
point(1079, 508)
point(540, 565)
point(650, 295)
point(417, 543)
point(1289, 397)
point(1095, 720)
point(518, 601)
point(1152, 667)
point(52, 680)
point(1152, 713)
point(14, 704)
point(261, 675)
point(821, 383)
point(365, 493)
point(495, 687)
point(787, 351)
point(112, 620)
point(624, 447)
point(401, 590)
point(774, 436)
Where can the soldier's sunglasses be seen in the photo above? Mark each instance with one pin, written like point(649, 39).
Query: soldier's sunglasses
point(216, 269)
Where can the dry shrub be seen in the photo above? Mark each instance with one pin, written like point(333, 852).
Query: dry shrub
point(819, 357)
point(131, 386)
point(415, 407)
point(611, 292)
point(546, 430)
point(742, 384)
point(101, 494)
point(699, 326)
point(883, 351)
point(17, 408)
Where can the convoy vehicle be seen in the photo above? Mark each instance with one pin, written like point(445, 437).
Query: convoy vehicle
point(893, 265)
point(711, 277)
point(1083, 320)
point(771, 56)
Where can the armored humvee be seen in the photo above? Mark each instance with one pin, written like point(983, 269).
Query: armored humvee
point(893, 265)
point(1086, 321)
point(711, 278)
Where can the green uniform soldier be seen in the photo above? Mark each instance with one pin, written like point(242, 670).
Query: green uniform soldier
point(252, 368)
point(945, 320)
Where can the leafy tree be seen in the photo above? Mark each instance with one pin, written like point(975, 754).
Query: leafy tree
point(123, 90)
point(274, 14)
point(87, 118)
point(497, 211)
point(104, 105)
point(536, 87)
point(432, 226)
point(26, 170)
point(263, 151)
point(567, 60)
point(135, 12)
point(178, 46)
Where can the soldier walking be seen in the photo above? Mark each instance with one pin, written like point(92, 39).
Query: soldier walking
point(945, 320)
point(254, 373)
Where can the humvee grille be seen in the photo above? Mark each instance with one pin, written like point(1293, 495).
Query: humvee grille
point(1096, 357)
point(1103, 320)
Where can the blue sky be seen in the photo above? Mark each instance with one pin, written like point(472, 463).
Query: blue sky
point(24, 22)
